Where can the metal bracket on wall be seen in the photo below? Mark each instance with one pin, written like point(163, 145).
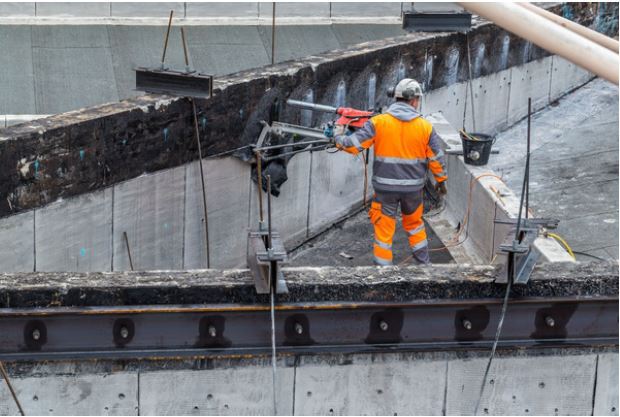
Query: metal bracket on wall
point(526, 255)
point(177, 83)
point(436, 22)
point(261, 259)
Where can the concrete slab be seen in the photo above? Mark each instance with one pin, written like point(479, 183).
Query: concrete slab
point(69, 78)
point(107, 394)
point(69, 36)
point(337, 187)
point(490, 103)
point(16, 78)
point(529, 80)
point(293, 42)
point(290, 208)
point(368, 9)
point(384, 386)
point(351, 34)
point(147, 9)
point(17, 9)
point(211, 9)
point(75, 234)
point(227, 182)
point(94, 9)
point(450, 101)
point(133, 47)
point(234, 391)
point(572, 179)
point(290, 9)
point(542, 385)
point(150, 209)
point(565, 77)
point(606, 395)
point(17, 243)
point(220, 50)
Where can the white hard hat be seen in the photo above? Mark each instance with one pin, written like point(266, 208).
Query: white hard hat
point(407, 88)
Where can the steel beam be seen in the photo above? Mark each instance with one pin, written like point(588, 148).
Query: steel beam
point(226, 330)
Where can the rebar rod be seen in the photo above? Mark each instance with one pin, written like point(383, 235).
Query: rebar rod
point(273, 33)
point(163, 56)
point(128, 251)
point(202, 182)
point(471, 87)
point(5, 375)
point(185, 49)
point(259, 181)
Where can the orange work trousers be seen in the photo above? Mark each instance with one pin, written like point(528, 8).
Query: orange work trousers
point(382, 214)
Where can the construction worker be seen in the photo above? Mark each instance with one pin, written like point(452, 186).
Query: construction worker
point(406, 147)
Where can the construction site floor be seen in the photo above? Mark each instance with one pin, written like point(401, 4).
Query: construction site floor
point(349, 243)
point(574, 167)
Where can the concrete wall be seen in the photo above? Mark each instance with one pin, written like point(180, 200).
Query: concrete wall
point(552, 383)
point(162, 213)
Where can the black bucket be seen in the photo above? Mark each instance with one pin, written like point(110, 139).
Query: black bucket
point(477, 152)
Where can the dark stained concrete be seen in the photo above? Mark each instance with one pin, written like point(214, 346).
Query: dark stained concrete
point(83, 151)
point(448, 281)
point(349, 243)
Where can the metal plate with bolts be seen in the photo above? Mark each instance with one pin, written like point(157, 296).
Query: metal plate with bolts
point(242, 329)
point(260, 260)
point(436, 22)
point(176, 83)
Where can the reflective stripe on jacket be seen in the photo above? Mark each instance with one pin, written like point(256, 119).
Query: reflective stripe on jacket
point(406, 146)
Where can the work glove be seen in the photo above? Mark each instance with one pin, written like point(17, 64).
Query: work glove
point(440, 189)
point(329, 131)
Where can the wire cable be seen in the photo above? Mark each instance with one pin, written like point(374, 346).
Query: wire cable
point(500, 324)
point(5, 375)
point(562, 242)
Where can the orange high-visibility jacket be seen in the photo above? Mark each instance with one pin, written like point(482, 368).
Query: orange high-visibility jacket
point(406, 146)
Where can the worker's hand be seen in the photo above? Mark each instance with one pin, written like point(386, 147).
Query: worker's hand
point(339, 130)
point(441, 189)
point(329, 131)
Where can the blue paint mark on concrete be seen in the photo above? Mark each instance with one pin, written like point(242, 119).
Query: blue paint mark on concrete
point(124, 141)
point(203, 123)
point(567, 12)
point(81, 154)
point(165, 225)
point(36, 167)
point(165, 134)
point(83, 252)
point(241, 113)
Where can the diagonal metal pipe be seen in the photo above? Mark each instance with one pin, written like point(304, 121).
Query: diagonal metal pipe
point(588, 33)
point(550, 36)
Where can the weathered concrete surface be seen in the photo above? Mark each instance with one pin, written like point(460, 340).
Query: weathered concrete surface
point(523, 386)
point(76, 234)
point(17, 242)
point(574, 172)
point(405, 383)
point(606, 395)
point(304, 284)
point(381, 385)
point(123, 140)
point(113, 394)
point(247, 391)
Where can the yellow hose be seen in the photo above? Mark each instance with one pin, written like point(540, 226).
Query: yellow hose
point(563, 242)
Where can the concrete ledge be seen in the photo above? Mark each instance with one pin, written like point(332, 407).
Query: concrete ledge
point(305, 284)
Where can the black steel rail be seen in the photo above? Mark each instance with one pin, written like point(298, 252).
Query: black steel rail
point(232, 330)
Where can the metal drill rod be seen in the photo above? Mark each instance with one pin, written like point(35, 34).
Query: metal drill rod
point(527, 186)
point(526, 175)
point(5, 375)
point(273, 33)
point(269, 246)
point(471, 87)
point(259, 173)
point(311, 106)
point(286, 145)
point(273, 275)
point(128, 251)
point(202, 182)
point(187, 68)
point(311, 149)
point(163, 57)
